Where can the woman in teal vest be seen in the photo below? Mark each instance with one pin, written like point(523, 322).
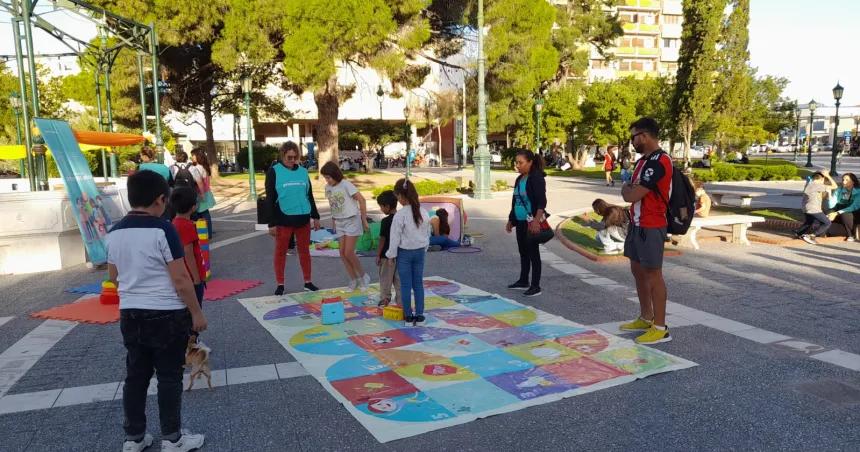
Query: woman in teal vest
point(291, 203)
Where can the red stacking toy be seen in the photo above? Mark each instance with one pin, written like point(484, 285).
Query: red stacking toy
point(109, 293)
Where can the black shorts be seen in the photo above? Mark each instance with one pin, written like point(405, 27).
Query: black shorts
point(645, 245)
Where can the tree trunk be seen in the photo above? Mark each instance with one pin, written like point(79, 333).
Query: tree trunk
point(328, 105)
point(210, 136)
point(236, 134)
point(439, 134)
point(508, 138)
point(687, 131)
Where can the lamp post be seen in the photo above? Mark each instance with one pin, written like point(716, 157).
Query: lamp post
point(812, 107)
point(252, 180)
point(380, 96)
point(538, 109)
point(482, 154)
point(408, 132)
point(15, 102)
point(834, 148)
point(796, 131)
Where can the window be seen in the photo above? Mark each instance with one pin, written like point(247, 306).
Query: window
point(671, 67)
point(599, 64)
point(670, 43)
point(649, 19)
point(630, 18)
point(671, 19)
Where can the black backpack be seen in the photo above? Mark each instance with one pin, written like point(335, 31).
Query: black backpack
point(183, 177)
point(681, 205)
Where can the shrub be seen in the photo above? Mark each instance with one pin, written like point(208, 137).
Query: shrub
point(740, 174)
point(731, 156)
point(508, 157)
point(755, 173)
point(425, 187)
point(263, 157)
point(723, 172)
point(500, 185)
point(705, 176)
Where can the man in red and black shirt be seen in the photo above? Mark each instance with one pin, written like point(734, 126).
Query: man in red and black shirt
point(648, 192)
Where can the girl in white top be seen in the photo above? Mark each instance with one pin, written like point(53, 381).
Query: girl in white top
point(410, 235)
point(349, 214)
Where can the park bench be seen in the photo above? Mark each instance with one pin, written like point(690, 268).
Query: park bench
point(745, 196)
point(739, 224)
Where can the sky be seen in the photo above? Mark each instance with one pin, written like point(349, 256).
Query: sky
point(813, 43)
point(809, 42)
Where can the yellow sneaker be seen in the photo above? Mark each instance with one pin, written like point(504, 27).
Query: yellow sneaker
point(636, 325)
point(654, 336)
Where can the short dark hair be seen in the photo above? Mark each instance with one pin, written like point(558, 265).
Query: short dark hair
point(290, 146)
point(145, 187)
point(181, 156)
point(331, 170)
point(648, 125)
point(387, 199)
point(183, 199)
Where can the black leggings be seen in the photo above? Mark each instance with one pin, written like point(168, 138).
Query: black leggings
point(529, 255)
point(847, 220)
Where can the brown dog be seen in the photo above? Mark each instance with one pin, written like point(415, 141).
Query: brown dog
point(197, 359)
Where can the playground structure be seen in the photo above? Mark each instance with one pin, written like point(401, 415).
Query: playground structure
point(99, 53)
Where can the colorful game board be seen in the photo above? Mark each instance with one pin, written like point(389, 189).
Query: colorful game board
point(478, 355)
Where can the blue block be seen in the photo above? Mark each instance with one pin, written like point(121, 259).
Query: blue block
point(333, 313)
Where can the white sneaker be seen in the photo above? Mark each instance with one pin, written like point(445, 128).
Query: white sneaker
point(364, 282)
point(353, 284)
point(188, 441)
point(131, 446)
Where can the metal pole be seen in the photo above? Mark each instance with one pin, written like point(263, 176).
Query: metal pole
point(796, 134)
point(18, 142)
point(108, 104)
point(482, 156)
point(537, 134)
point(41, 167)
point(101, 116)
point(142, 82)
point(25, 112)
point(153, 48)
point(834, 148)
point(251, 176)
point(465, 154)
point(809, 148)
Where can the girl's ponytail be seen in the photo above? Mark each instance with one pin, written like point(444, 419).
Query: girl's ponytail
point(405, 188)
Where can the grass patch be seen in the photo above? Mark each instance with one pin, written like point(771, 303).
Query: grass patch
point(425, 187)
point(769, 213)
point(243, 176)
point(577, 232)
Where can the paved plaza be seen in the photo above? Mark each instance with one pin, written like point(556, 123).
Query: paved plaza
point(775, 332)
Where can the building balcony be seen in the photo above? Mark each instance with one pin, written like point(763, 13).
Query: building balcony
point(669, 54)
point(673, 7)
point(644, 52)
point(637, 74)
point(631, 28)
point(650, 5)
point(672, 30)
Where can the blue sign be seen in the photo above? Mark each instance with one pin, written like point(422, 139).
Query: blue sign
point(93, 220)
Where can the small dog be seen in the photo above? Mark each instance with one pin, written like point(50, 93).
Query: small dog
point(197, 359)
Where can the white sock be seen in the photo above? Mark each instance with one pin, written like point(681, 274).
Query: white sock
point(661, 327)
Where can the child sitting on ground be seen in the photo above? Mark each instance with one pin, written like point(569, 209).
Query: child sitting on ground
point(387, 267)
point(441, 229)
point(612, 229)
point(703, 201)
point(814, 194)
point(158, 307)
point(184, 202)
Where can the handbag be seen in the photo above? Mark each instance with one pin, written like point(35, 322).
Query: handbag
point(545, 235)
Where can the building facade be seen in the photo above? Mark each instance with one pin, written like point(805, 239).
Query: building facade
point(650, 44)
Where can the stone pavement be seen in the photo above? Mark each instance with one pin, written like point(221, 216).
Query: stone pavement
point(775, 332)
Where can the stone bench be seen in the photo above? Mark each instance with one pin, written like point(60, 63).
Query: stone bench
point(744, 196)
point(739, 224)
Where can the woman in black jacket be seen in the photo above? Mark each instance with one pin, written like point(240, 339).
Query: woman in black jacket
point(527, 212)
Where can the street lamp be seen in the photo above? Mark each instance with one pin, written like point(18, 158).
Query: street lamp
point(796, 131)
point(246, 87)
point(380, 96)
point(538, 109)
point(812, 107)
point(837, 95)
point(408, 132)
point(482, 153)
point(15, 102)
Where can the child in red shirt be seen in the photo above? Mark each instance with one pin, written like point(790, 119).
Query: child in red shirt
point(184, 202)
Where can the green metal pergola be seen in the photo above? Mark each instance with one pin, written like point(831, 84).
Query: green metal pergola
point(100, 54)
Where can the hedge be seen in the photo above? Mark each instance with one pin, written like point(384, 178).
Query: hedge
point(728, 172)
point(425, 187)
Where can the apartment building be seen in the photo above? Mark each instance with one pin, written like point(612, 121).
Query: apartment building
point(650, 44)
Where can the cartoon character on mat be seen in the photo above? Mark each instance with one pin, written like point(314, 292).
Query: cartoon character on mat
point(86, 221)
point(102, 219)
point(383, 406)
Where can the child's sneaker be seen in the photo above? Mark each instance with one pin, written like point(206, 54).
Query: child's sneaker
point(188, 441)
point(810, 239)
point(408, 320)
point(364, 282)
point(419, 320)
point(137, 446)
point(383, 302)
point(353, 284)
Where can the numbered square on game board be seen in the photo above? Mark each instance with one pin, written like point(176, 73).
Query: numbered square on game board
point(531, 384)
point(383, 340)
point(383, 385)
point(584, 371)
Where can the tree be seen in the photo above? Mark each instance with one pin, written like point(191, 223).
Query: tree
point(694, 89)
point(734, 93)
point(312, 38)
point(608, 109)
